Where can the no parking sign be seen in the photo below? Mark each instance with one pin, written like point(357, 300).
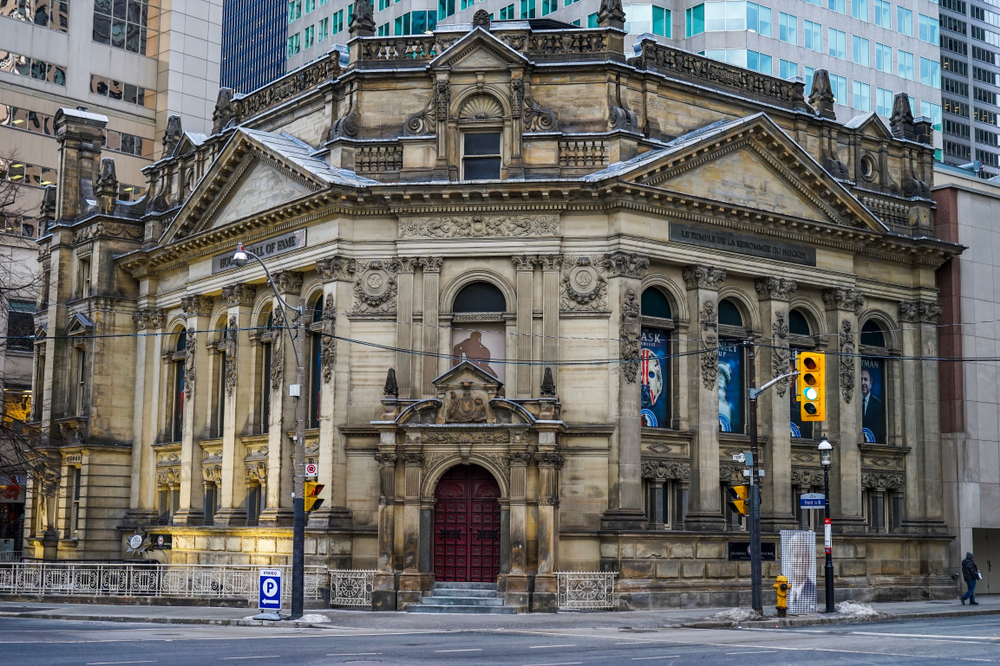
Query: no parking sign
point(270, 589)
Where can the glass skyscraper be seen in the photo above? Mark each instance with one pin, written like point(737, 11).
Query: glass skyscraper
point(253, 43)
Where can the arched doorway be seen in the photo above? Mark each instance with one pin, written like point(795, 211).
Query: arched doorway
point(467, 526)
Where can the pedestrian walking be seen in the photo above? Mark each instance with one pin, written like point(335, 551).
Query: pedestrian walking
point(970, 572)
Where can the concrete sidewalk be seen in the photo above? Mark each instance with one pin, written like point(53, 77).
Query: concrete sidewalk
point(356, 620)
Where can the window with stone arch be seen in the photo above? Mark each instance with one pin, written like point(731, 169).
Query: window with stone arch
point(873, 383)
point(219, 405)
point(800, 339)
point(481, 125)
point(478, 328)
point(732, 333)
point(655, 379)
point(314, 349)
point(263, 336)
point(175, 403)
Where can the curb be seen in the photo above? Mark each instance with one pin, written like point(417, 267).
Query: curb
point(776, 622)
point(165, 620)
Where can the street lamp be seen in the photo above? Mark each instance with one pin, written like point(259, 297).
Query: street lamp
point(824, 459)
point(240, 258)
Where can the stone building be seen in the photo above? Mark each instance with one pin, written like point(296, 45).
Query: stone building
point(560, 254)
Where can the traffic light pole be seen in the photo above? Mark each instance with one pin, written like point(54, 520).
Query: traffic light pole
point(756, 596)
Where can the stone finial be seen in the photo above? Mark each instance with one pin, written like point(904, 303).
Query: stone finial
point(363, 20)
point(48, 207)
point(611, 14)
point(821, 95)
point(391, 388)
point(224, 113)
point(172, 135)
point(901, 122)
point(548, 384)
point(481, 19)
point(107, 186)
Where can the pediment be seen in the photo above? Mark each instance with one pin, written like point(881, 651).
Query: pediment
point(478, 50)
point(467, 375)
point(79, 325)
point(870, 125)
point(753, 164)
point(263, 187)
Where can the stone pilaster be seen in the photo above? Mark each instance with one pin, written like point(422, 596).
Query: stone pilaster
point(516, 593)
point(384, 593)
point(149, 345)
point(197, 387)
point(431, 269)
point(545, 597)
point(774, 405)
point(405, 338)
point(704, 497)
point(524, 265)
point(843, 411)
point(625, 481)
point(551, 272)
point(410, 585)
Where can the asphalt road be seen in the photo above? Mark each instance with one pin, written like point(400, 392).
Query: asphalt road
point(30, 642)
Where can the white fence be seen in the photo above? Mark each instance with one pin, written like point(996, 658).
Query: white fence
point(148, 579)
point(586, 589)
point(10, 555)
point(352, 587)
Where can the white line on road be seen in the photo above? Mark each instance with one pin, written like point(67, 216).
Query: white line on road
point(539, 647)
point(259, 656)
point(964, 638)
point(462, 650)
point(558, 663)
point(103, 663)
point(353, 654)
point(754, 652)
point(661, 656)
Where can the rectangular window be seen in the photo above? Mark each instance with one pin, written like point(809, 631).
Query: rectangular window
point(955, 107)
point(661, 22)
point(981, 95)
point(954, 66)
point(955, 5)
point(294, 10)
point(930, 72)
point(862, 96)
point(957, 150)
point(592, 21)
point(789, 70)
point(988, 117)
point(324, 29)
point(20, 326)
point(859, 9)
point(507, 14)
point(527, 9)
point(445, 8)
point(905, 64)
point(955, 87)
point(928, 29)
point(294, 45)
point(481, 156)
point(74, 507)
point(812, 36)
point(736, 57)
point(839, 6)
point(883, 14)
point(837, 43)
point(788, 28)
point(759, 19)
point(883, 58)
point(932, 111)
point(694, 21)
point(383, 30)
point(310, 36)
point(338, 22)
point(402, 24)
point(80, 389)
point(809, 79)
point(310, 5)
point(861, 51)
point(548, 6)
point(987, 157)
point(760, 62)
point(839, 86)
point(904, 21)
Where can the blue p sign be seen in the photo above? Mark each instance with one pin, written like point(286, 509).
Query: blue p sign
point(270, 589)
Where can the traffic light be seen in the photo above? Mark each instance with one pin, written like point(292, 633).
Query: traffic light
point(812, 385)
point(312, 498)
point(739, 499)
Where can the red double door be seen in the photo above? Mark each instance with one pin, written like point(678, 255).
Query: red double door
point(467, 526)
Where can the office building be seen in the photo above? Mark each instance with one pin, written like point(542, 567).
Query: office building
point(253, 43)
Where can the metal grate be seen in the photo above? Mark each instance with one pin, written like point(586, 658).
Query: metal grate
point(798, 564)
point(586, 589)
point(352, 587)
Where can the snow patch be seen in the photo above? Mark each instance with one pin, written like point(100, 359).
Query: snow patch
point(314, 618)
point(854, 609)
point(738, 615)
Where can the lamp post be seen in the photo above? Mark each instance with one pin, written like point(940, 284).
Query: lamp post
point(240, 258)
point(824, 459)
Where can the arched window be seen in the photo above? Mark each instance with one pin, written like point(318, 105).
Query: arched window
point(798, 324)
point(731, 334)
point(478, 328)
point(873, 382)
point(481, 121)
point(800, 334)
point(176, 423)
point(315, 369)
point(654, 368)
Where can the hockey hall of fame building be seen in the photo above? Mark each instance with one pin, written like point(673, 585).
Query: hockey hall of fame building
point(559, 251)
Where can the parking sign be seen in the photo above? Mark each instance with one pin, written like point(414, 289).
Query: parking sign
point(270, 590)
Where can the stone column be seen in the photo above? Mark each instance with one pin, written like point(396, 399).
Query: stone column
point(196, 401)
point(546, 597)
point(517, 580)
point(337, 274)
point(625, 481)
point(774, 405)
point(431, 267)
point(524, 264)
point(405, 339)
point(843, 413)
point(551, 268)
point(410, 587)
point(280, 470)
point(704, 498)
point(149, 325)
point(384, 593)
point(239, 401)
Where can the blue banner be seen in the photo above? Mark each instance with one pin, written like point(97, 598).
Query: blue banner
point(653, 379)
point(730, 386)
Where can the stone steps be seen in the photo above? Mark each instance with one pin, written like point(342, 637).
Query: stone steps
point(462, 598)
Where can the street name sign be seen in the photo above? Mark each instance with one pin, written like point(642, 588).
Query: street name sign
point(812, 501)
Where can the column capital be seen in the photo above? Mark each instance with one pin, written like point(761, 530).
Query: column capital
point(412, 459)
point(148, 318)
point(386, 459)
point(336, 268)
point(774, 288)
point(920, 311)
point(194, 306)
point(549, 459)
point(700, 276)
point(288, 282)
point(431, 264)
point(842, 298)
point(624, 264)
point(239, 294)
point(524, 262)
point(550, 262)
point(518, 458)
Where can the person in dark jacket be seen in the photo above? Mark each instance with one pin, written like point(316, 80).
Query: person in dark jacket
point(970, 572)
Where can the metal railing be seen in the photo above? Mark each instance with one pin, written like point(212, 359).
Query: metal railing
point(352, 587)
point(148, 579)
point(11, 555)
point(586, 589)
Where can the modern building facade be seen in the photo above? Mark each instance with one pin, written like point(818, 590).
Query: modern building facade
point(530, 268)
point(970, 84)
point(253, 43)
point(968, 212)
point(872, 49)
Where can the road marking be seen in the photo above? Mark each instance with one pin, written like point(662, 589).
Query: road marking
point(102, 663)
point(539, 647)
point(462, 650)
point(353, 654)
point(964, 638)
point(753, 652)
point(558, 663)
point(259, 656)
point(662, 656)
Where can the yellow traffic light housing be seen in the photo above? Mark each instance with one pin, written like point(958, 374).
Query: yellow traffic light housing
point(739, 500)
point(811, 385)
point(312, 498)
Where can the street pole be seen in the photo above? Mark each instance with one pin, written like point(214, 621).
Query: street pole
point(827, 528)
point(756, 598)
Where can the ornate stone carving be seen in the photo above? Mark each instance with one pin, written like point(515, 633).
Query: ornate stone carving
point(239, 294)
point(583, 153)
point(518, 458)
point(779, 351)
point(423, 122)
point(821, 96)
point(391, 388)
point(378, 158)
point(901, 122)
point(624, 264)
point(840, 298)
point(148, 318)
point(277, 348)
point(363, 20)
point(583, 287)
point(516, 97)
point(909, 311)
point(621, 117)
point(229, 347)
point(919, 311)
point(930, 311)
point(700, 276)
point(709, 345)
point(480, 437)
point(731, 474)
point(256, 471)
point(549, 459)
point(548, 387)
point(466, 408)
point(386, 459)
point(524, 262)
point(348, 124)
point(536, 117)
point(412, 459)
point(882, 480)
point(211, 474)
point(442, 99)
point(550, 262)
point(288, 282)
point(328, 345)
point(431, 264)
point(775, 288)
point(336, 268)
point(190, 343)
point(847, 352)
point(291, 85)
point(224, 114)
point(194, 306)
point(105, 229)
point(172, 135)
point(665, 469)
point(806, 478)
point(611, 10)
point(629, 336)
point(479, 226)
point(375, 287)
point(481, 19)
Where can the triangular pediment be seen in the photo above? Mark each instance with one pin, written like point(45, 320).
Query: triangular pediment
point(263, 187)
point(478, 50)
point(870, 125)
point(750, 163)
point(466, 373)
point(79, 325)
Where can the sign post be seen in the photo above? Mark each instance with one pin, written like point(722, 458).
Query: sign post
point(269, 595)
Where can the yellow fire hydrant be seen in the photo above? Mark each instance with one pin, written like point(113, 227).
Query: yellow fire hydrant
point(781, 589)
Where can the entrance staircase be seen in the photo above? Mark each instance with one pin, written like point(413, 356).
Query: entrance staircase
point(462, 598)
